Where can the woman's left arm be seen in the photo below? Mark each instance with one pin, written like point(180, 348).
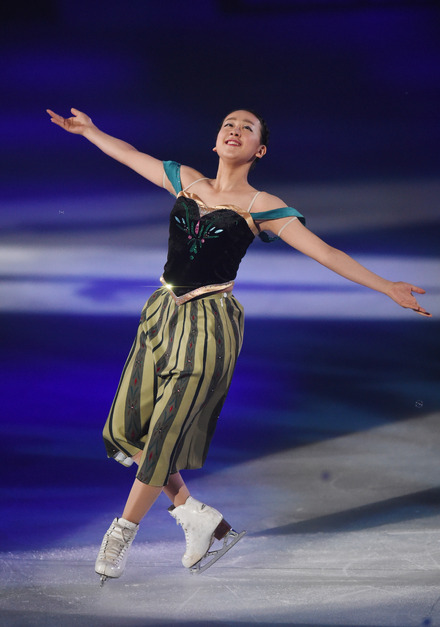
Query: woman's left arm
point(299, 237)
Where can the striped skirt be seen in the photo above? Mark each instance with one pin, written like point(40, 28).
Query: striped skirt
point(174, 383)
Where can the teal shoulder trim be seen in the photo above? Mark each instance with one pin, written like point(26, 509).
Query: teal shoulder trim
point(275, 214)
point(172, 170)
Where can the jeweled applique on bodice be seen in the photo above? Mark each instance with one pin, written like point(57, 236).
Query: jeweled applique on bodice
point(206, 245)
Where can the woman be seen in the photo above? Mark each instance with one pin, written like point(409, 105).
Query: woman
point(180, 366)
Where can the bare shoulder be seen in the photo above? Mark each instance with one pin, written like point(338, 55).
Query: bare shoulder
point(266, 202)
point(189, 175)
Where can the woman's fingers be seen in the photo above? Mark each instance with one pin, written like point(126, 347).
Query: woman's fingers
point(54, 116)
point(75, 124)
point(402, 293)
point(418, 290)
point(418, 309)
point(56, 119)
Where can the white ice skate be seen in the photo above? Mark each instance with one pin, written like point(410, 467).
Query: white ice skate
point(123, 459)
point(202, 526)
point(113, 553)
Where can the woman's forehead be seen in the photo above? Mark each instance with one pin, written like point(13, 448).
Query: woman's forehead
point(242, 115)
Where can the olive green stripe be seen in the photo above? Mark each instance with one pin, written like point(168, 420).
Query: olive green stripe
point(175, 400)
point(112, 409)
point(167, 310)
point(217, 375)
point(190, 417)
point(232, 308)
point(132, 410)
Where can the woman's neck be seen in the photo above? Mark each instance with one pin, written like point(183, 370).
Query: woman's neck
point(231, 177)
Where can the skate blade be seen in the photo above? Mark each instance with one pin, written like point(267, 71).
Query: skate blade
point(102, 581)
point(229, 540)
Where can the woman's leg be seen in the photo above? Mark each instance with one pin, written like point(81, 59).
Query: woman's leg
point(176, 490)
point(139, 501)
point(201, 523)
point(142, 496)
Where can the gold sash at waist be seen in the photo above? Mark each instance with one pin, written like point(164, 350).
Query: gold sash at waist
point(199, 291)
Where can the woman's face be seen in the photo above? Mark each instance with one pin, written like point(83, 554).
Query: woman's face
point(239, 138)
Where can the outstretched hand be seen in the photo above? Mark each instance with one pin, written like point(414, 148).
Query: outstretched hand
point(77, 124)
point(401, 293)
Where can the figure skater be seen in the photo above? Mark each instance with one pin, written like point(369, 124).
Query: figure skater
point(180, 366)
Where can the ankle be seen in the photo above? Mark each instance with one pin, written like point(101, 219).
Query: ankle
point(181, 499)
point(129, 524)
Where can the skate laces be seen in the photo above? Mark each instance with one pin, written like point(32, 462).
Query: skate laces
point(118, 540)
point(113, 551)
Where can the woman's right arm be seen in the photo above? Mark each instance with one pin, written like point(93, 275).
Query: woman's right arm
point(145, 165)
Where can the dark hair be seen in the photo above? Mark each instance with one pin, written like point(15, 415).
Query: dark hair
point(264, 135)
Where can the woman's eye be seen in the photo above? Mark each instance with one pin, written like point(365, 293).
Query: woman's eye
point(249, 128)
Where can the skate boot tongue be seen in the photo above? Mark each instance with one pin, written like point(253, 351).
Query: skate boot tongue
point(112, 555)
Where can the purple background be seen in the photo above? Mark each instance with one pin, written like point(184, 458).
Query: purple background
point(351, 91)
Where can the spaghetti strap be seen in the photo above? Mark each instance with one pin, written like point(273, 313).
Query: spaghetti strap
point(204, 178)
point(252, 201)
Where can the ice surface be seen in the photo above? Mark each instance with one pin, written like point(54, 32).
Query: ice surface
point(341, 532)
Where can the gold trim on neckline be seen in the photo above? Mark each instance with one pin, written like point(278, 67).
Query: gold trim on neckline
point(202, 206)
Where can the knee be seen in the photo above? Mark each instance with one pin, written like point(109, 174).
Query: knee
point(136, 458)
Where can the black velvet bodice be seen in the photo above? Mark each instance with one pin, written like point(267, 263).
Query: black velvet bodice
point(204, 249)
